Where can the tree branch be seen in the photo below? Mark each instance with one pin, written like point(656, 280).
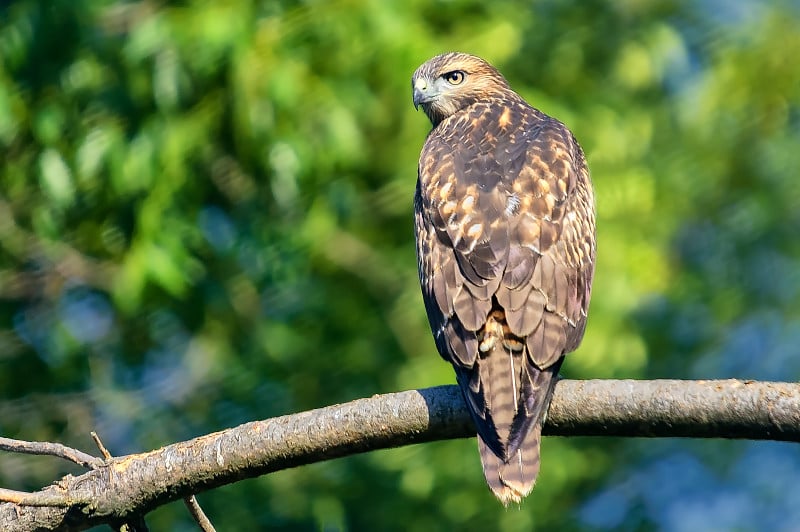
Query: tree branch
point(50, 449)
point(198, 514)
point(135, 484)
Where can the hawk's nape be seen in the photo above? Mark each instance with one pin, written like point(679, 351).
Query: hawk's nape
point(505, 230)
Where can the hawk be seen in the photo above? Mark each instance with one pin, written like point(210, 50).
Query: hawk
point(505, 232)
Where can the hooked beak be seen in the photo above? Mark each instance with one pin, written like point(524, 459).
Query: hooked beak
point(421, 95)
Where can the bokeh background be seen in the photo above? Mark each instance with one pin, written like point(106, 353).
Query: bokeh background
point(205, 219)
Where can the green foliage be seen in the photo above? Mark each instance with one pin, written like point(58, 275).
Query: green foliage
point(205, 218)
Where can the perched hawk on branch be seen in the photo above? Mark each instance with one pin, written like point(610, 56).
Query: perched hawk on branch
point(505, 228)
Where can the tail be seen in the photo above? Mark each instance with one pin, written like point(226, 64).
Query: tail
point(517, 397)
point(507, 395)
point(513, 478)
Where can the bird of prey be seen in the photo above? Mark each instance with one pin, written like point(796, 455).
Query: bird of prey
point(505, 231)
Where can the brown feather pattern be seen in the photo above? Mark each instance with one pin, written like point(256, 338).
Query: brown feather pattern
point(505, 230)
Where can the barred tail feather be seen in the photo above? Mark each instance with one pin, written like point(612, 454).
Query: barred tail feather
point(537, 392)
point(507, 394)
point(518, 396)
point(512, 479)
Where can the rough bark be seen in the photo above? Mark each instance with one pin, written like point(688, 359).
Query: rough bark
point(132, 485)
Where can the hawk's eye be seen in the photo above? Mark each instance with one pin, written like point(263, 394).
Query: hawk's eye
point(456, 77)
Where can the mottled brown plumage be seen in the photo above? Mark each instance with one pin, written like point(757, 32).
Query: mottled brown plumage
point(505, 227)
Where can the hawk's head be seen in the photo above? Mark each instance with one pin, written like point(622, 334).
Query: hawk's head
point(447, 83)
